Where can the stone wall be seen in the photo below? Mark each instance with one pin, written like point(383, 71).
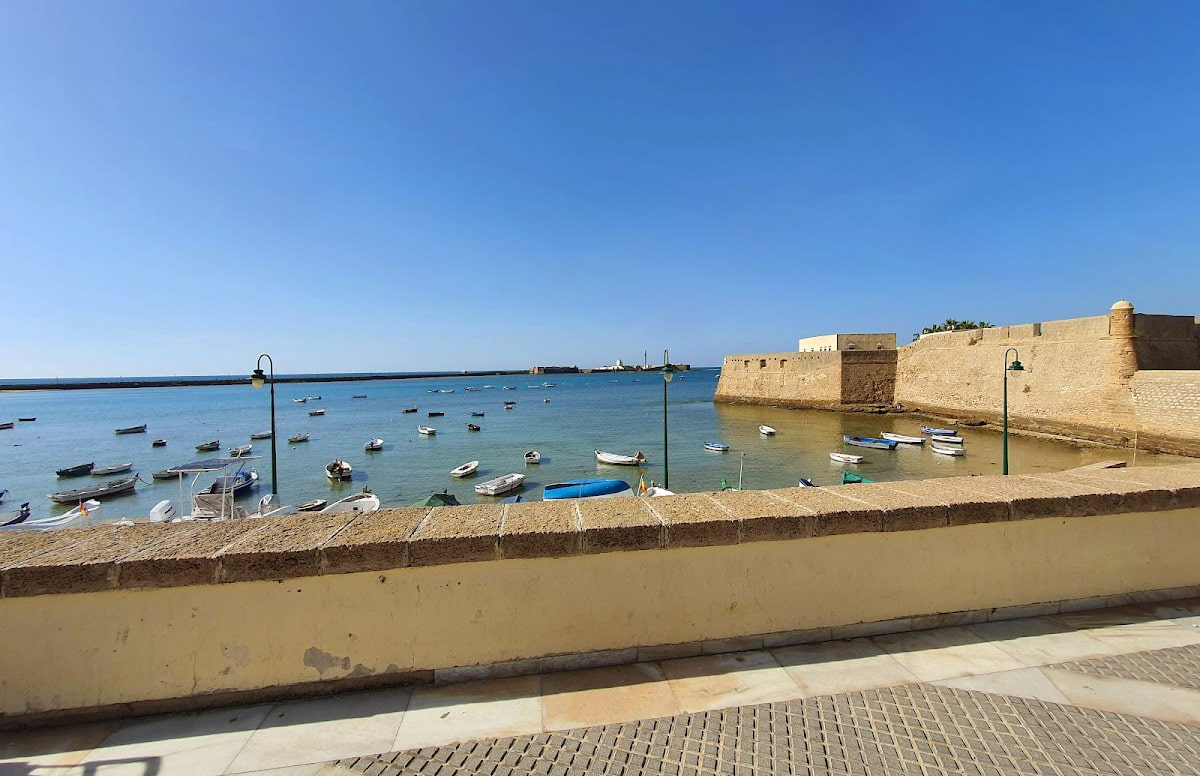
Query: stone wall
point(783, 379)
point(144, 618)
point(1168, 409)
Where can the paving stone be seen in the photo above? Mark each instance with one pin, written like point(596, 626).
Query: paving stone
point(1178, 666)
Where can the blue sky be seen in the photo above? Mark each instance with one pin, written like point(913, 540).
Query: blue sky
point(392, 186)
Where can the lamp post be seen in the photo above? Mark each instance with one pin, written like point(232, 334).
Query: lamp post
point(257, 379)
point(1015, 366)
point(668, 373)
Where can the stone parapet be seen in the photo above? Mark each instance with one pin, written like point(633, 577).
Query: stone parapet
point(147, 556)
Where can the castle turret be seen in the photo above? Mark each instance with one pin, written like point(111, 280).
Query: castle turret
point(1121, 329)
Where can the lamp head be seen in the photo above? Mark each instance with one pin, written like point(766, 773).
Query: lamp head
point(258, 379)
point(1015, 366)
point(668, 372)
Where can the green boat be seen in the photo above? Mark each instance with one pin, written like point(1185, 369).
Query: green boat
point(849, 478)
point(438, 500)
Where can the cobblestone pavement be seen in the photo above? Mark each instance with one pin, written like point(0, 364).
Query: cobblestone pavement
point(916, 729)
point(1179, 666)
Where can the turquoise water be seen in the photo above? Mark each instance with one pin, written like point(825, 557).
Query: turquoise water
point(620, 414)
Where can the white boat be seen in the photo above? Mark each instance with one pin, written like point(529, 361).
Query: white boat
point(906, 440)
point(240, 450)
point(426, 430)
point(502, 484)
point(358, 502)
point(313, 398)
point(845, 458)
point(766, 431)
point(83, 514)
point(945, 449)
point(533, 456)
point(261, 435)
point(465, 469)
point(950, 440)
point(471, 390)
point(299, 401)
point(716, 447)
point(658, 490)
point(116, 468)
point(374, 445)
point(637, 459)
point(298, 438)
point(338, 470)
point(316, 413)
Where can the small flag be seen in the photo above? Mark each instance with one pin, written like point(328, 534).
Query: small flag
point(642, 485)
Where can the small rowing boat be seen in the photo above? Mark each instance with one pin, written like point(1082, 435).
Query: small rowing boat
point(904, 440)
point(616, 459)
point(427, 430)
point(502, 484)
point(312, 506)
point(299, 401)
point(261, 435)
point(533, 456)
point(716, 447)
point(937, 431)
point(587, 488)
point(473, 427)
point(133, 430)
point(232, 483)
point(75, 471)
point(208, 447)
point(766, 431)
point(338, 470)
point(240, 450)
point(845, 458)
point(467, 468)
point(477, 414)
point(356, 502)
point(374, 446)
point(115, 468)
point(315, 413)
point(947, 440)
point(945, 449)
point(409, 409)
point(435, 414)
point(878, 444)
point(298, 438)
point(850, 478)
point(159, 443)
point(95, 491)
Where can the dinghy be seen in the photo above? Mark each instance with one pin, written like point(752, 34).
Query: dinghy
point(374, 446)
point(467, 468)
point(16, 517)
point(232, 483)
point(316, 413)
point(473, 427)
point(766, 431)
point(82, 514)
point(96, 491)
point(299, 401)
point(409, 409)
point(904, 440)
point(716, 447)
point(878, 444)
point(26, 420)
point(945, 449)
point(208, 447)
point(937, 431)
point(240, 450)
point(159, 443)
point(590, 487)
point(533, 456)
point(116, 468)
point(261, 435)
point(477, 414)
point(806, 483)
point(315, 505)
point(358, 502)
point(338, 470)
point(133, 430)
point(298, 438)
point(314, 398)
point(75, 471)
point(8, 425)
point(426, 430)
point(845, 458)
point(502, 484)
point(165, 474)
point(615, 459)
point(850, 478)
point(435, 414)
point(946, 440)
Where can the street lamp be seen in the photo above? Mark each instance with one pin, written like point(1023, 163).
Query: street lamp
point(668, 373)
point(1015, 366)
point(257, 379)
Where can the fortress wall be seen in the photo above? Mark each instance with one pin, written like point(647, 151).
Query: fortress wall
point(784, 379)
point(1167, 341)
point(868, 376)
point(1168, 409)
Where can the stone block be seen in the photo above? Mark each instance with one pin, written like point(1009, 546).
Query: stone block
point(794, 637)
point(1031, 497)
point(904, 511)
point(457, 535)
point(540, 529)
point(1024, 610)
point(488, 671)
point(694, 520)
point(877, 628)
point(1130, 496)
point(950, 619)
point(736, 644)
point(82, 566)
point(373, 542)
point(616, 524)
point(598, 659)
point(1183, 482)
point(964, 504)
point(668, 652)
point(186, 554)
point(281, 548)
point(766, 517)
point(835, 510)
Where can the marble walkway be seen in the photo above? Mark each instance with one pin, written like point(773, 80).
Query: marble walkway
point(1114, 691)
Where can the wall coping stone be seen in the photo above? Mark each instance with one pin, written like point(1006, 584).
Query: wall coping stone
point(151, 555)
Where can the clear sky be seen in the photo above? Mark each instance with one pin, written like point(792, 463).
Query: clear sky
point(404, 185)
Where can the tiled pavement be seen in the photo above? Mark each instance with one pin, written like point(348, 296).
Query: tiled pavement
point(1103, 692)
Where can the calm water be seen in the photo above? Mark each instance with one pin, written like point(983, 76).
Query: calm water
point(620, 414)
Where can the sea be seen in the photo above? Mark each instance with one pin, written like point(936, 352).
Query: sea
point(581, 413)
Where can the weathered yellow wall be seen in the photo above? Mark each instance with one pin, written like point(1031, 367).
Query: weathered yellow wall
point(94, 649)
point(787, 379)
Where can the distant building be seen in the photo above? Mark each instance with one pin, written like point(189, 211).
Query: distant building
point(553, 370)
point(832, 342)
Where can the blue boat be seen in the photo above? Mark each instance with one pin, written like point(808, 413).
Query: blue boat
point(880, 444)
point(233, 483)
point(937, 431)
point(587, 488)
point(716, 447)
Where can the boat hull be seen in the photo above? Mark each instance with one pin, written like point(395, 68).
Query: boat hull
point(902, 439)
point(505, 484)
point(587, 488)
point(876, 444)
point(83, 494)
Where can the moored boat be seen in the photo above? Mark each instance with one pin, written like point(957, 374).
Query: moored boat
point(588, 487)
point(510, 387)
point(477, 414)
point(16, 517)
point(208, 447)
point(359, 396)
point(946, 440)
point(299, 401)
point(806, 483)
point(356, 502)
point(850, 478)
point(26, 420)
point(501, 484)
point(115, 468)
point(766, 431)
point(313, 398)
point(845, 458)
point(902, 439)
point(298, 438)
point(467, 468)
point(338, 470)
point(165, 474)
point(95, 491)
point(374, 446)
point(716, 447)
point(937, 431)
point(945, 449)
point(9, 424)
point(159, 443)
point(240, 450)
point(315, 505)
point(434, 414)
point(261, 435)
point(409, 409)
point(532, 457)
point(427, 430)
point(616, 459)
point(133, 430)
point(232, 483)
point(878, 444)
point(443, 499)
point(75, 471)
point(473, 427)
point(315, 413)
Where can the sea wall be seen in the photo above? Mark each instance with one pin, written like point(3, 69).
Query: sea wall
point(1168, 410)
point(824, 379)
point(116, 620)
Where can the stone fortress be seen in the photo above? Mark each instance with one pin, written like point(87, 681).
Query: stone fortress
point(1124, 378)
